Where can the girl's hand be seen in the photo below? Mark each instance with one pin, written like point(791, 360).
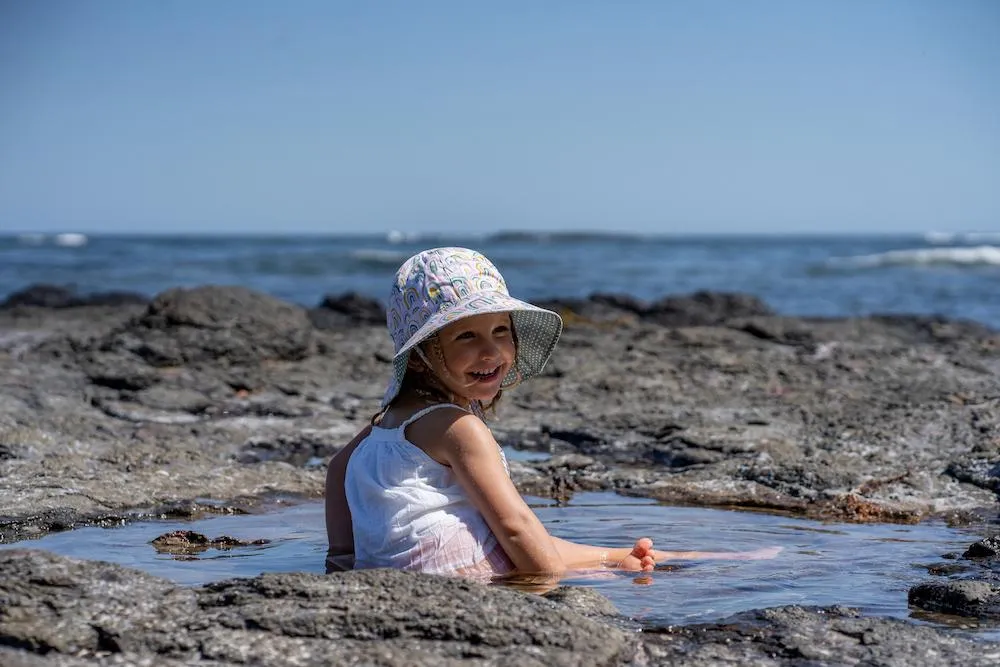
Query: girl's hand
point(640, 559)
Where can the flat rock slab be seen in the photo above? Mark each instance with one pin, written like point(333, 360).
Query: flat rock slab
point(54, 608)
point(813, 636)
point(59, 611)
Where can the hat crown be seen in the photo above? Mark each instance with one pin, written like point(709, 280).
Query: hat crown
point(435, 281)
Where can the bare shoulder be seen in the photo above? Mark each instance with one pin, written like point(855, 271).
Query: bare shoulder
point(446, 432)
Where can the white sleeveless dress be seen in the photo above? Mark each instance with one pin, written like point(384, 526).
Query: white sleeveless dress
point(410, 513)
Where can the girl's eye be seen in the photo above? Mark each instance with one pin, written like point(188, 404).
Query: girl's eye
point(501, 331)
point(465, 335)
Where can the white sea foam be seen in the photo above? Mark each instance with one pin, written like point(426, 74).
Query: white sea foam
point(984, 255)
point(396, 236)
point(71, 240)
point(968, 238)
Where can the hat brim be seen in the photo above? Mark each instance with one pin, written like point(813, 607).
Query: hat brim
point(537, 331)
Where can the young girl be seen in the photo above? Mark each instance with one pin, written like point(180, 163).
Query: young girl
point(425, 487)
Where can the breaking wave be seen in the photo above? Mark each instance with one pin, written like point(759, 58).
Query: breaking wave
point(978, 256)
point(969, 238)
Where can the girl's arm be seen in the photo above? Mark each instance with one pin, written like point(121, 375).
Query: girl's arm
point(464, 443)
point(339, 528)
point(585, 556)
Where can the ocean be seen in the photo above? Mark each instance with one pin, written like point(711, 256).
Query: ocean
point(953, 275)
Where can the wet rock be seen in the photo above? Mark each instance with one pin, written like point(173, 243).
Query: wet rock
point(55, 296)
point(947, 569)
point(987, 548)
point(978, 599)
point(59, 608)
point(587, 602)
point(346, 310)
point(188, 542)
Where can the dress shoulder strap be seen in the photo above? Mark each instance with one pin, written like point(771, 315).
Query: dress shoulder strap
point(431, 408)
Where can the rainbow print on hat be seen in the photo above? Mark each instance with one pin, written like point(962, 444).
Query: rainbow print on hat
point(436, 287)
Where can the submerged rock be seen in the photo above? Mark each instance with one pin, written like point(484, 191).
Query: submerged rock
point(188, 542)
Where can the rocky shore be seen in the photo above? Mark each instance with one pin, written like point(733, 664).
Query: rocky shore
point(221, 399)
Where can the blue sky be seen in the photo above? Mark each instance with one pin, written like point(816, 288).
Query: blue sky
point(662, 117)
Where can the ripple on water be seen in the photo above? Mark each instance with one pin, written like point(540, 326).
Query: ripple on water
point(870, 567)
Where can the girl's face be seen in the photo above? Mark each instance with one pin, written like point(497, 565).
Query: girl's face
point(478, 352)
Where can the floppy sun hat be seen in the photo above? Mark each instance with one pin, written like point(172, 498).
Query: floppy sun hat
point(437, 287)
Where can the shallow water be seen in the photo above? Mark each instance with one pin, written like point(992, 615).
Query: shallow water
point(866, 566)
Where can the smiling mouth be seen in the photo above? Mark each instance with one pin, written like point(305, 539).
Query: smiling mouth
point(486, 376)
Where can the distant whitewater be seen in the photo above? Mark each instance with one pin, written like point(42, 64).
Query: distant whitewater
point(954, 275)
point(957, 257)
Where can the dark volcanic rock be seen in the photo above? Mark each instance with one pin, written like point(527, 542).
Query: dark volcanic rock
point(55, 296)
point(983, 472)
point(978, 599)
point(188, 542)
point(812, 636)
point(126, 413)
point(220, 325)
point(58, 611)
point(987, 548)
point(704, 309)
point(56, 607)
point(698, 309)
point(598, 309)
point(347, 309)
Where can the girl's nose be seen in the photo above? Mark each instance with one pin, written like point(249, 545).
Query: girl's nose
point(489, 351)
